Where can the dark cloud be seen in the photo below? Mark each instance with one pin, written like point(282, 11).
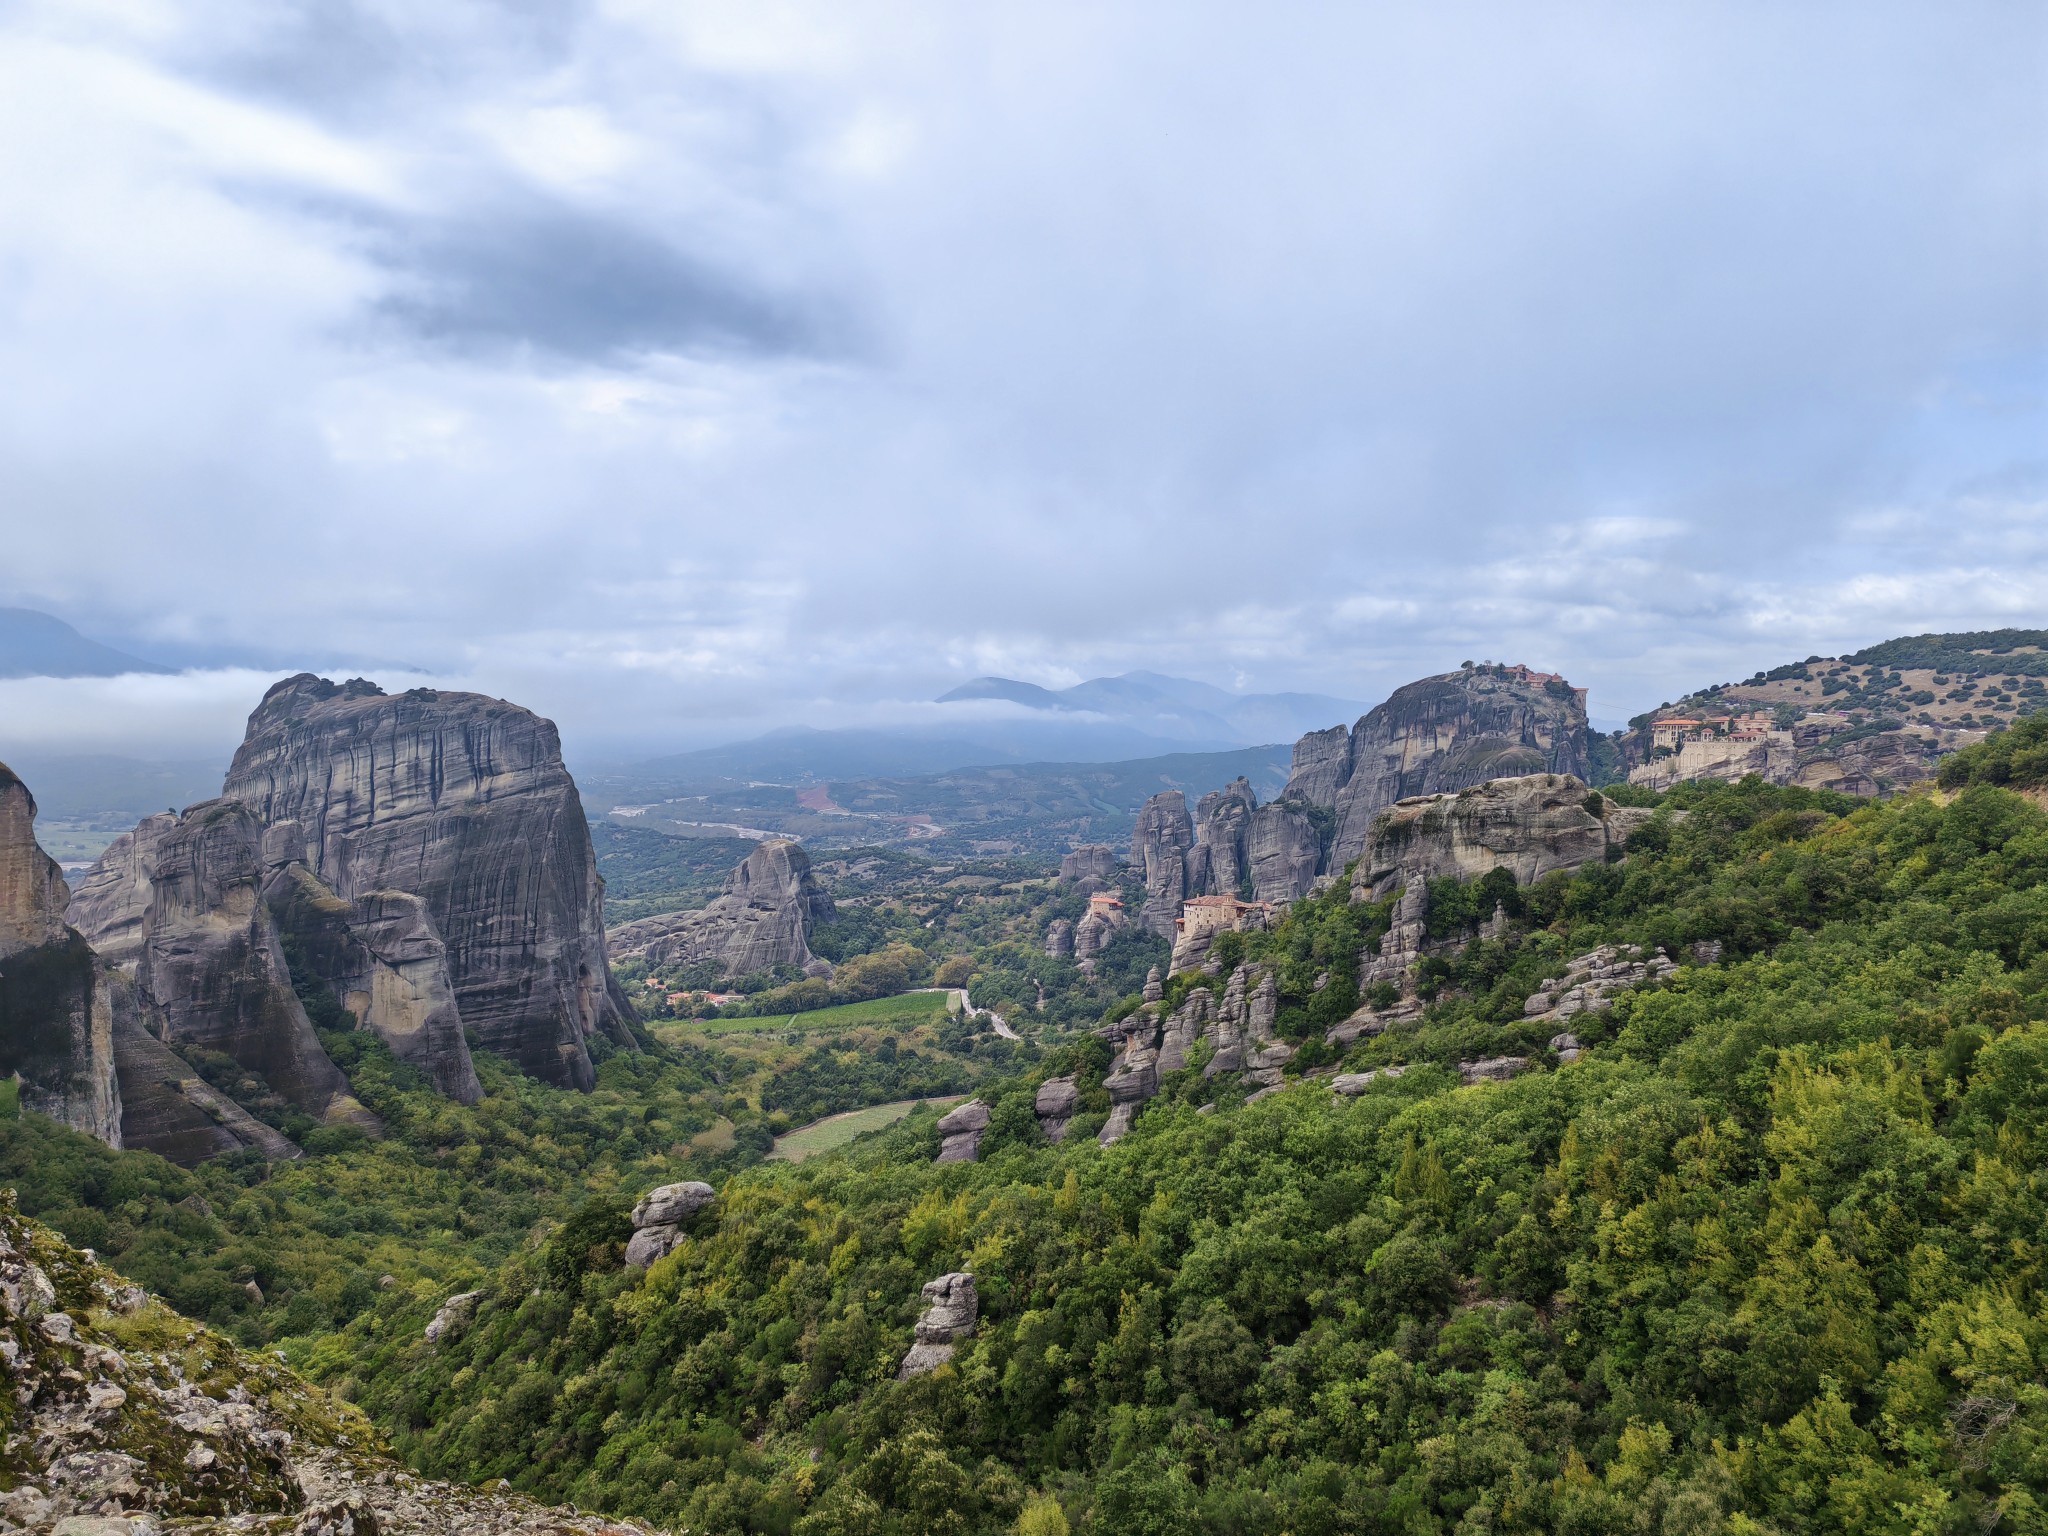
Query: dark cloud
point(580, 285)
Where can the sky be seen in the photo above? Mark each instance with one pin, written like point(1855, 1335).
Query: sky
point(688, 369)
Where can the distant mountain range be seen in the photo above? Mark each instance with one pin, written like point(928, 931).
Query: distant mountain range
point(1174, 708)
point(36, 644)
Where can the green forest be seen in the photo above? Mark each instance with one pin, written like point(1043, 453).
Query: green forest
point(1767, 1258)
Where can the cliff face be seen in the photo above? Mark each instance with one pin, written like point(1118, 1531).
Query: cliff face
point(1441, 733)
point(56, 1004)
point(1159, 848)
point(1530, 826)
point(177, 904)
point(764, 919)
point(463, 802)
point(384, 961)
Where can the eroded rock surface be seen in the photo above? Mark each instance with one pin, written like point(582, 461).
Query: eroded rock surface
point(386, 963)
point(177, 905)
point(961, 1130)
point(952, 1308)
point(764, 919)
point(1235, 1029)
point(1529, 826)
point(659, 1219)
point(191, 1434)
point(1592, 982)
point(1054, 1106)
point(1441, 733)
point(1159, 852)
point(57, 1004)
point(1092, 867)
point(463, 802)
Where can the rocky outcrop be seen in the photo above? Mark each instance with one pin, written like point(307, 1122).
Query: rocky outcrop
point(463, 802)
point(207, 956)
point(952, 1308)
point(1054, 1106)
point(1092, 867)
point(1530, 826)
point(764, 919)
point(177, 905)
point(1440, 734)
point(1493, 1069)
point(57, 1002)
point(1219, 863)
point(1059, 939)
point(1321, 768)
point(960, 1132)
point(1103, 921)
point(1236, 1030)
point(1159, 852)
point(112, 1432)
point(1350, 1085)
point(385, 962)
point(659, 1219)
point(451, 1321)
point(1284, 852)
point(1592, 982)
point(167, 1107)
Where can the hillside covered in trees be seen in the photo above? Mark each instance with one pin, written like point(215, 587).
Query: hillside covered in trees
point(1768, 1258)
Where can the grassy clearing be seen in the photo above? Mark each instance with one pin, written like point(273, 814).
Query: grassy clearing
point(837, 1130)
point(908, 1010)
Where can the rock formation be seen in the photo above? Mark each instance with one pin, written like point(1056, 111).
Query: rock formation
point(1103, 921)
point(1441, 733)
point(1236, 1028)
point(385, 962)
point(1092, 867)
point(451, 1321)
point(1219, 863)
point(1493, 1069)
point(659, 1218)
point(771, 903)
point(1530, 825)
point(1059, 939)
point(1054, 1106)
point(952, 1308)
point(57, 1004)
point(1351, 1084)
point(1591, 983)
point(111, 1435)
point(177, 906)
point(1159, 852)
point(961, 1130)
point(1284, 852)
point(463, 802)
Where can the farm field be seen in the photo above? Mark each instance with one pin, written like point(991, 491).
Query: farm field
point(908, 1010)
point(837, 1130)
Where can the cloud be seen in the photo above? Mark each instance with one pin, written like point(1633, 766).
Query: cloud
point(686, 371)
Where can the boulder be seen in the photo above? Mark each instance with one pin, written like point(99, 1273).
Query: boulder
point(1351, 1084)
point(1566, 1047)
point(659, 1218)
point(1054, 1105)
point(961, 1131)
point(1493, 1069)
point(771, 903)
point(1059, 939)
point(671, 1204)
point(462, 801)
point(453, 1318)
point(952, 1309)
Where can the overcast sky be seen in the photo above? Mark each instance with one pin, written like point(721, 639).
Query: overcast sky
point(682, 369)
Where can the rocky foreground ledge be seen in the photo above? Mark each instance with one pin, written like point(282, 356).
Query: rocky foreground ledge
point(129, 1420)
